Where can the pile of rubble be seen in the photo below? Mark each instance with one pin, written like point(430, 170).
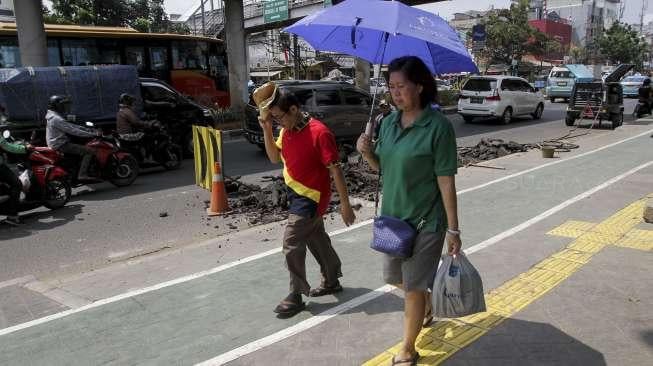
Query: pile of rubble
point(489, 149)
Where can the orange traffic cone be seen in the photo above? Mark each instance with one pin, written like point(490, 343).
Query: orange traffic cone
point(219, 203)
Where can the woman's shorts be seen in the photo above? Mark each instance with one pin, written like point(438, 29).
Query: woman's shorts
point(417, 272)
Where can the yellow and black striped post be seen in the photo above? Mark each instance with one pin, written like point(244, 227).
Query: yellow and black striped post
point(207, 144)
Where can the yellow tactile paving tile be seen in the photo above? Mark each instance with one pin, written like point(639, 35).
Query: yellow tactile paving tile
point(572, 229)
point(439, 342)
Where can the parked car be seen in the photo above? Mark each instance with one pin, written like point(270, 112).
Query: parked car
point(502, 97)
point(561, 81)
point(344, 108)
point(378, 86)
point(631, 85)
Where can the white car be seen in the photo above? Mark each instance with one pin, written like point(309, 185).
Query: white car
point(502, 97)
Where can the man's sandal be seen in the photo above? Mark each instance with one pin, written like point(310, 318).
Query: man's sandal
point(325, 290)
point(290, 306)
point(411, 361)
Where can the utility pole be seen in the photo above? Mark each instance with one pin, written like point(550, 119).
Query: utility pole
point(641, 16)
point(296, 57)
point(31, 33)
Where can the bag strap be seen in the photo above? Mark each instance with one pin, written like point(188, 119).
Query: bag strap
point(376, 196)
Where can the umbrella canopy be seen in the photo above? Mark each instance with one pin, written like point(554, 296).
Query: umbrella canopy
point(380, 31)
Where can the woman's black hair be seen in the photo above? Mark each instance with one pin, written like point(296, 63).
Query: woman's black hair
point(416, 71)
point(284, 100)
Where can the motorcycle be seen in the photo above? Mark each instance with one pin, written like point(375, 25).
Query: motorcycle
point(156, 143)
point(110, 163)
point(44, 183)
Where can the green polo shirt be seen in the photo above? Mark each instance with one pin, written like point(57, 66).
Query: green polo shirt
point(411, 160)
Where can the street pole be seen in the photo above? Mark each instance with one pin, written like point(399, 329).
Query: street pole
point(203, 19)
point(296, 57)
point(236, 53)
point(31, 33)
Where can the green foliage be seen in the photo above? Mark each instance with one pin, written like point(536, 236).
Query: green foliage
point(510, 37)
point(622, 44)
point(142, 15)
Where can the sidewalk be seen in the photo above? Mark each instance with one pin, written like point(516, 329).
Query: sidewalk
point(224, 313)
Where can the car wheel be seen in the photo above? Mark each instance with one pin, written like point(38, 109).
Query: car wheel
point(506, 118)
point(538, 112)
point(468, 119)
point(552, 99)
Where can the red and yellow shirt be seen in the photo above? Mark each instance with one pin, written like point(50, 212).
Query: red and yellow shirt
point(307, 153)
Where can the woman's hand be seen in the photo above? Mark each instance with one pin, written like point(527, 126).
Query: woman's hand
point(453, 243)
point(364, 145)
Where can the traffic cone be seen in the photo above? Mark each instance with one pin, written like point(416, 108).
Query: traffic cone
point(219, 203)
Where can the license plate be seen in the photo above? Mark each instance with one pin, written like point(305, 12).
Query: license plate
point(477, 100)
point(562, 83)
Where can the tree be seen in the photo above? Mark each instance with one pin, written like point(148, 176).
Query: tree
point(142, 15)
point(622, 44)
point(510, 37)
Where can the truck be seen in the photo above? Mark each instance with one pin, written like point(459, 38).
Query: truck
point(94, 91)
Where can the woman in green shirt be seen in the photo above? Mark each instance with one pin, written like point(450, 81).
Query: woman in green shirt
point(416, 155)
point(7, 176)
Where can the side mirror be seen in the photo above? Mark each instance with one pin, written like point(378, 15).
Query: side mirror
point(6, 134)
point(89, 124)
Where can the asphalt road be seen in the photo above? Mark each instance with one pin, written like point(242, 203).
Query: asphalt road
point(104, 224)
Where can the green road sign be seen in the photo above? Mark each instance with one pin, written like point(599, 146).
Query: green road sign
point(275, 10)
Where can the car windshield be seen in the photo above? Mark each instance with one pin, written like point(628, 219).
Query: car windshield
point(562, 74)
point(634, 79)
point(480, 85)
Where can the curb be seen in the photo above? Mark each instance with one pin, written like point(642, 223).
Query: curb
point(228, 135)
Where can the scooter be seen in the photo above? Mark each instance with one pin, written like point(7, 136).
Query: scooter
point(110, 163)
point(641, 109)
point(155, 143)
point(43, 182)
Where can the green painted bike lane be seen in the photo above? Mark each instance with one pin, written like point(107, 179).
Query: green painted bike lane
point(200, 319)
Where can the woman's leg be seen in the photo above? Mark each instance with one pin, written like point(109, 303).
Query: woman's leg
point(414, 306)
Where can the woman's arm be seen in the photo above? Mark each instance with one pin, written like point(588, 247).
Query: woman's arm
point(447, 185)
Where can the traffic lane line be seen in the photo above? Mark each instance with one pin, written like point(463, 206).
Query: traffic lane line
point(281, 335)
point(214, 270)
point(438, 343)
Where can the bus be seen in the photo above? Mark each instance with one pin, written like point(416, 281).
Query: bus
point(195, 66)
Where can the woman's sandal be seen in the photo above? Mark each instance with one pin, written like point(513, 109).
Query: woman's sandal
point(411, 361)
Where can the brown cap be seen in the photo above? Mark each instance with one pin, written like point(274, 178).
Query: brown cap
point(263, 97)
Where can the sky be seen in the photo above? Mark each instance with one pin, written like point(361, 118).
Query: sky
point(446, 8)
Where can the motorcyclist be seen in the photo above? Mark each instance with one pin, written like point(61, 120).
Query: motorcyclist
point(58, 130)
point(128, 123)
point(646, 96)
point(7, 176)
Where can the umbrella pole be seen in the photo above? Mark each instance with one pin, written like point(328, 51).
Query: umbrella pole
point(369, 128)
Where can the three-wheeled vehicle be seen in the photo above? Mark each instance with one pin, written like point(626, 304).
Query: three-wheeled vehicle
point(598, 100)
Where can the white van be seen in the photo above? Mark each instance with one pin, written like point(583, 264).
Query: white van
point(560, 83)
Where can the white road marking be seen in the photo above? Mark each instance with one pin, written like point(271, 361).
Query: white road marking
point(297, 328)
point(322, 317)
point(17, 281)
point(214, 270)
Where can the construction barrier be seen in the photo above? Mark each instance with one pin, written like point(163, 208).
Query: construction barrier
point(207, 144)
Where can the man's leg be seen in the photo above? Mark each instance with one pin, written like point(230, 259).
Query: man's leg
point(85, 153)
point(11, 207)
point(294, 249)
point(319, 243)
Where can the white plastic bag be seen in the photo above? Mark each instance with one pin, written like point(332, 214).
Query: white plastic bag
point(457, 288)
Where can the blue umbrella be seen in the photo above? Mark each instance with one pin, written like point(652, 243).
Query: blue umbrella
point(380, 31)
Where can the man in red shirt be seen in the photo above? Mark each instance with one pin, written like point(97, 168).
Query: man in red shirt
point(309, 154)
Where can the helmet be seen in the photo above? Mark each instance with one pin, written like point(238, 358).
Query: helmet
point(59, 103)
point(126, 99)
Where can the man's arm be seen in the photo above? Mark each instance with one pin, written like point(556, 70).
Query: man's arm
point(348, 216)
point(72, 129)
point(271, 148)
